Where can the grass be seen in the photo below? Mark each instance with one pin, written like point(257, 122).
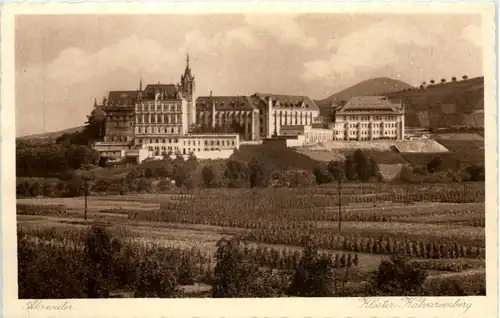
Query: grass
point(466, 151)
point(282, 158)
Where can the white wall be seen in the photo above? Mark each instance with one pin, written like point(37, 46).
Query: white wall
point(218, 154)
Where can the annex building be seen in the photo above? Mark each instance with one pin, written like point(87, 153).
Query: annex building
point(370, 118)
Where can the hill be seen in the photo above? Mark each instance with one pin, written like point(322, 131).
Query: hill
point(374, 86)
point(50, 136)
point(445, 105)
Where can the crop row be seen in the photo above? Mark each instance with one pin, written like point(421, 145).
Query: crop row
point(442, 264)
point(381, 245)
point(42, 209)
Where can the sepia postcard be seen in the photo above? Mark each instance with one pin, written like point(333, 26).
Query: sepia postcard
point(250, 159)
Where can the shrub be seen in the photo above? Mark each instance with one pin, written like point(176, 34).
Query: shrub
point(397, 276)
point(236, 275)
point(314, 276)
point(321, 174)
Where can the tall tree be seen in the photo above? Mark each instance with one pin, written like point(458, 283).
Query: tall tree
point(362, 164)
point(236, 275)
point(350, 169)
point(336, 169)
point(314, 275)
point(209, 177)
point(259, 173)
point(237, 173)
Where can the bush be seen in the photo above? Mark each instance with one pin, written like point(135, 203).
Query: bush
point(322, 174)
point(236, 275)
point(237, 174)
point(397, 277)
point(314, 276)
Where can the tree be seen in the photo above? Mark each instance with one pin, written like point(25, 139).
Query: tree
point(336, 170)
point(375, 169)
point(154, 279)
point(209, 177)
point(322, 174)
point(432, 81)
point(465, 77)
point(99, 253)
point(237, 275)
point(362, 164)
point(476, 172)
point(436, 164)
point(237, 173)
point(314, 276)
point(350, 169)
point(181, 174)
point(453, 79)
point(259, 173)
point(397, 276)
point(443, 80)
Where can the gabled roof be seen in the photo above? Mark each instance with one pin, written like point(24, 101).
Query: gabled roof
point(372, 103)
point(224, 103)
point(122, 97)
point(288, 101)
point(169, 91)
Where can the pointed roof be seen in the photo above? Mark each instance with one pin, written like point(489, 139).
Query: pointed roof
point(187, 70)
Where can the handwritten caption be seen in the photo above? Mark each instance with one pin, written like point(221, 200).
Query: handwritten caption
point(413, 302)
point(42, 305)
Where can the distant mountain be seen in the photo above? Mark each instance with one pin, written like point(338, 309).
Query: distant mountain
point(50, 136)
point(374, 86)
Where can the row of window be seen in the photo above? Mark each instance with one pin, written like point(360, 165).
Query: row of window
point(159, 140)
point(365, 138)
point(119, 124)
point(164, 148)
point(158, 119)
point(369, 117)
point(374, 125)
point(119, 118)
point(366, 133)
point(157, 130)
point(188, 142)
point(158, 107)
point(118, 138)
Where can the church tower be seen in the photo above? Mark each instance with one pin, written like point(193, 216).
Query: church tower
point(188, 89)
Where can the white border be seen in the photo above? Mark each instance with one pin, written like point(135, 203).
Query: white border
point(283, 307)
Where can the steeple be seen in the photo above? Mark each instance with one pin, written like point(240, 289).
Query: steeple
point(187, 71)
point(95, 102)
point(140, 85)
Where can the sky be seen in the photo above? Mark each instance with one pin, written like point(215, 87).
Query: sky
point(64, 62)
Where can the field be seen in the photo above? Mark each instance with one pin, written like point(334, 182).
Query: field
point(422, 221)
